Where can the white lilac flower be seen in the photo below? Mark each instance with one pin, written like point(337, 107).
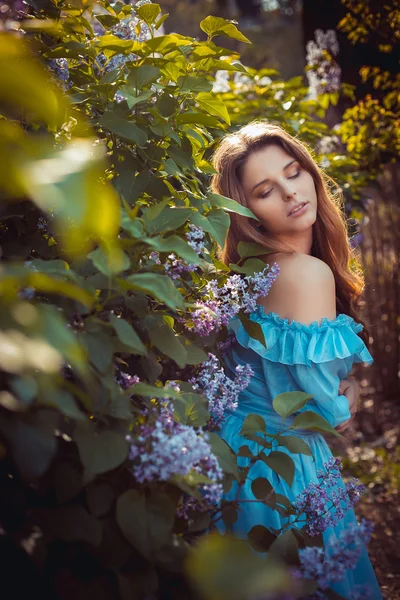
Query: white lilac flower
point(195, 238)
point(221, 392)
point(221, 82)
point(324, 73)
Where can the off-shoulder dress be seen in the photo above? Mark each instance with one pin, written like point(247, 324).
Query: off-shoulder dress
point(313, 359)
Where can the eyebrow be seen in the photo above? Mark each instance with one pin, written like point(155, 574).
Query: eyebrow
point(266, 180)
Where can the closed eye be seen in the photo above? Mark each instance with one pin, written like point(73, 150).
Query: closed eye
point(269, 191)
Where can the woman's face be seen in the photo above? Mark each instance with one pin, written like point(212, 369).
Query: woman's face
point(274, 183)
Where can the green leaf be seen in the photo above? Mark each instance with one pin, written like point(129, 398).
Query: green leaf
point(128, 335)
point(32, 441)
point(159, 287)
point(140, 76)
point(132, 98)
point(193, 410)
point(225, 455)
point(290, 402)
point(100, 451)
point(194, 354)
point(260, 538)
point(164, 338)
point(168, 219)
point(123, 128)
point(100, 498)
point(106, 264)
point(294, 444)
point(261, 488)
point(112, 42)
point(230, 205)
point(176, 244)
point(146, 520)
point(230, 514)
point(247, 249)
point(285, 547)
point(254, 329)
point(148, 12)
point(154, 391)
point(181, 157)
point(188, 83)
point(64, 402)
point(198, 118)
point(250, 267)
point(311, 420)
point(217, 26)
point(213, 106)
point(99, 349)
point(253, 423)
point(281, 463)
point(245, 451)
point(221, 223)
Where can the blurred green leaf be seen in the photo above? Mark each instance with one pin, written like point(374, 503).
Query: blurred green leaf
point(290, 402)
point(146, 520)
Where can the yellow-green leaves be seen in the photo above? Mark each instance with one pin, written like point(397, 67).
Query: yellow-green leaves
point(213, 106)
point(213, 26)
point(26, 88)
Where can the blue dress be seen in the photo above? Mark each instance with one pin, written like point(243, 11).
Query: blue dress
point(313, 359)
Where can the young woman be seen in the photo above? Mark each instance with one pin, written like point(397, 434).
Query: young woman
point(309, 318)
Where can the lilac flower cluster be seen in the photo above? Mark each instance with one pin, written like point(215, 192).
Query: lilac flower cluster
point(125, 380)
point(59, 67)
point(324, 73)
point(237, 293)
point(325, 503)
point(221, 391)
point(195, 238)
point(329, 564)
point(225, 345)
point(163, 448)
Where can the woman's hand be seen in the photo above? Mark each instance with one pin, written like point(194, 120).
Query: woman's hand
point(351, 389)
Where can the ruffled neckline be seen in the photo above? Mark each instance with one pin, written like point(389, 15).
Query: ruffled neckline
point(340, 320)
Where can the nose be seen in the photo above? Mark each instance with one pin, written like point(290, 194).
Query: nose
point(288, 191)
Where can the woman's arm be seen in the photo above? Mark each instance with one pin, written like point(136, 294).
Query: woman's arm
point(351, 389)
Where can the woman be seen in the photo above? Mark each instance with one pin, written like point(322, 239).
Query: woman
point(308, 318)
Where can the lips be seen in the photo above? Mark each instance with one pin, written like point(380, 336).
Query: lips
point(299, 205)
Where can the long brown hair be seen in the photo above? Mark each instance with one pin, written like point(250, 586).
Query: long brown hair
point(330, 236)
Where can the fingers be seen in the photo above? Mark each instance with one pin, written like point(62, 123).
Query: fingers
point(345, 425)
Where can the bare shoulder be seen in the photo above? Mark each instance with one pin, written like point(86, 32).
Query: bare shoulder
point(303, 291)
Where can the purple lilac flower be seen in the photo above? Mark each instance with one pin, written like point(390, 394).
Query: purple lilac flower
point(224, 346)
point(195, 238)
point(237, 293)
point(175, 267)
point(318, 499)
point(163, 448)
point(221, 392)
point(59, 66)
point(125, 380)
point(324, 73)
point(356, 240)
point(329, 564)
